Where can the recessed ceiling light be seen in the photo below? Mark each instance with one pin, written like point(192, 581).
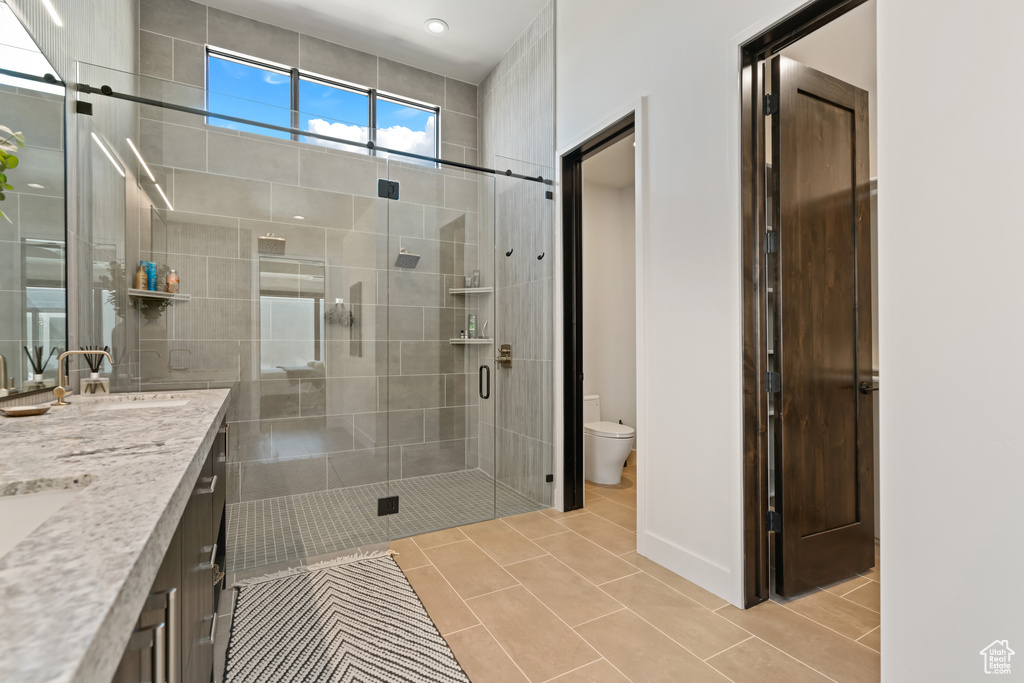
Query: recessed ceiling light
point(299, 218)
point(435, 26)
point(36, 186)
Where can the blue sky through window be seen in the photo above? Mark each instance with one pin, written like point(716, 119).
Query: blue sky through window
point(333, 111)
point(406, 128)
point(249, 92)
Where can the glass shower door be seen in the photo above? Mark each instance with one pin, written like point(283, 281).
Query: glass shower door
point(437, 295)
point(524, 286)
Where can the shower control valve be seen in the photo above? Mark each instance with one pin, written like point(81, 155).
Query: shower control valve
point(505, 357)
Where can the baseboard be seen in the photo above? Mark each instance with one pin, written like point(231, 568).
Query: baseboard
point(708, 575)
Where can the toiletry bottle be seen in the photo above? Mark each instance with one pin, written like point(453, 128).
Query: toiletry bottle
point(462, 334)
point(172, 282)
point(151, 276)
point(140, 276)
point(472, 326)
point(476, 278)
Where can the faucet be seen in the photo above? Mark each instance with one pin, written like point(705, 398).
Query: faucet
point(60, 391)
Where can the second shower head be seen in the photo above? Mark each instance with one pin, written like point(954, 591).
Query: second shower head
point(406, 260)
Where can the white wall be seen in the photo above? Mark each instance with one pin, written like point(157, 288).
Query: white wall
point(952, 321)
point(950, 286)
point(609, 299)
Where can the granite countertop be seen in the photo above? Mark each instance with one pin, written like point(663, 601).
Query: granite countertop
point(71, 592)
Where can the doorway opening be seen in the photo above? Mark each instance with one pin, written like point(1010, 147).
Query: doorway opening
point(605, 154)
point(810, 370)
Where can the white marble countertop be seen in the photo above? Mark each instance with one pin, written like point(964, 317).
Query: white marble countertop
point(71, 591)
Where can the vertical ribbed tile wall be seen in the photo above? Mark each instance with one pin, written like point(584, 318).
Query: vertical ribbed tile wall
point(408, 387)
point(516, 106)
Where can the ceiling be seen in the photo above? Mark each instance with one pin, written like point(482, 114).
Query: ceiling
point(480, 31)
point(612, 167)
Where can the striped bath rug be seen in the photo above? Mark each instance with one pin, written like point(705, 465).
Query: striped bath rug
point(357, 620)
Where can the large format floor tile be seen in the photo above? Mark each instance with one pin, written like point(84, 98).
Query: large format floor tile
point(565, 598)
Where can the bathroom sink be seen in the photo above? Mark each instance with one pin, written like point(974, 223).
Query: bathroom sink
point(141, 405)
point(24, 513)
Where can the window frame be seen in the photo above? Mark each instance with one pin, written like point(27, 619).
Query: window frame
point(296, 75)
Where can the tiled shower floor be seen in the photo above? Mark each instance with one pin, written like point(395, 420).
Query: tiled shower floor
point(277, 530)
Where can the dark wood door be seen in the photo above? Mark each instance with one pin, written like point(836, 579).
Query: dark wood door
point(824, 478)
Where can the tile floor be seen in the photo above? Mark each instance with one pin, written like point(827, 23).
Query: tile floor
point(546, 596)
point(280, 530)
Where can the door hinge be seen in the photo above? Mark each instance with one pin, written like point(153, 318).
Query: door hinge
point(549, 478)
point(387, 189)
point(774, 521)
point(771, 104)
point(83, 107)
point(772, 382)
point(387, 506)
point(771, 242)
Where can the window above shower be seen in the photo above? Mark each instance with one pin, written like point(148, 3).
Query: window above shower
point(244, 87)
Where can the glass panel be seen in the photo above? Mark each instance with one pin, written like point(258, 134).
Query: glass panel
point(524, 294)
point(250, 92)
point(324, 107)
point(291, 323)
point(406, 128)
point(441, 456)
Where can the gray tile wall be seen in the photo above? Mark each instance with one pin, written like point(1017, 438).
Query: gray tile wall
point(516, 110)
point(174, 34)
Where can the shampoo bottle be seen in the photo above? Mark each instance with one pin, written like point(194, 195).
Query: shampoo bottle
point(140, 277)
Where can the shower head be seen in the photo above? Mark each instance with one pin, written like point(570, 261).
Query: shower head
point(406, 260)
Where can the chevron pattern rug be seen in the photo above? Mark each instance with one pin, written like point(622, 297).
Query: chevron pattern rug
point(357, 621)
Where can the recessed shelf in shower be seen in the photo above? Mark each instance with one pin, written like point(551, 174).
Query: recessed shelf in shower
point(470, 341)
point(471, 290)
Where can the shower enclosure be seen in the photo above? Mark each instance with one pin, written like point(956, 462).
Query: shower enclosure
point(365, 406)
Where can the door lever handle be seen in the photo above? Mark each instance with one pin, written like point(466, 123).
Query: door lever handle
point(867, 387)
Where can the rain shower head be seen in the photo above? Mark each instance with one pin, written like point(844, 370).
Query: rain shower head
point(406, 260)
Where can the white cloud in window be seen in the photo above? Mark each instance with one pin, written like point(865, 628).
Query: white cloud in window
point(395, 137)
point(275, 79)
point(336, 130)
point(406, 140)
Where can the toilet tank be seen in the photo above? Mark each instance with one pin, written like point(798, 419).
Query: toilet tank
point(591, 408)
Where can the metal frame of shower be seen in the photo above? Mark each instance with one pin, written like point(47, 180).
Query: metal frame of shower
point(107, 91)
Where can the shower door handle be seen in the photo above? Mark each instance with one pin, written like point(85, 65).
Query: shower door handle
point(486, 395)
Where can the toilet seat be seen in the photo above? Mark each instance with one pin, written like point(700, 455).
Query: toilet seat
point(609, 430)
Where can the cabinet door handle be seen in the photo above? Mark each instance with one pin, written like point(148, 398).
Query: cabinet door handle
point(213, 486)
point(174, 642)
point(213, 631)
point(213, 555)
point(159, 659)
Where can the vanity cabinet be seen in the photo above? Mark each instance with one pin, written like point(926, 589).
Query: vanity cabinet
point(173, 638)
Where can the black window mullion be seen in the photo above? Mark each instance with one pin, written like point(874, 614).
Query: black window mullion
point(295, 101)
point(371, 134)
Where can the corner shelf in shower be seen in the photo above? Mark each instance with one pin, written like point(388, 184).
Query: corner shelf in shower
point(157, 296)
point(470, 341)
point(471, 290)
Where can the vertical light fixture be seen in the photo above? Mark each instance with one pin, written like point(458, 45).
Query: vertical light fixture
point(52, 11)
point(109, 155)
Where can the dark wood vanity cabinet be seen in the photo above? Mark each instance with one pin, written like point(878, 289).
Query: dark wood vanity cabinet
point(173, 639)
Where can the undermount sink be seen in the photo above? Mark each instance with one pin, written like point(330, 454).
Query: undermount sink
point(139, 405)
point(24, 513)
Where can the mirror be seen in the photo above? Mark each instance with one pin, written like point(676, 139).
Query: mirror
point(33, 297)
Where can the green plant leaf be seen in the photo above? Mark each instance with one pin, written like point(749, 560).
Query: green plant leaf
point(4, 216)
point(12, 161)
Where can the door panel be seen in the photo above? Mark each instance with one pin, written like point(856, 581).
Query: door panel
point(824, 472)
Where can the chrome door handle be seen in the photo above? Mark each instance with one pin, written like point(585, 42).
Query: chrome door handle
point(174, 643)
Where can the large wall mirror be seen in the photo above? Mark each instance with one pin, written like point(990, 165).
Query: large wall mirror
point(33, 287)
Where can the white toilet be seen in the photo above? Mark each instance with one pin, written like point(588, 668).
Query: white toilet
point(606, 445)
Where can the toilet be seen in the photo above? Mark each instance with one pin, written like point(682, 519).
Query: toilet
point(606, 445)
